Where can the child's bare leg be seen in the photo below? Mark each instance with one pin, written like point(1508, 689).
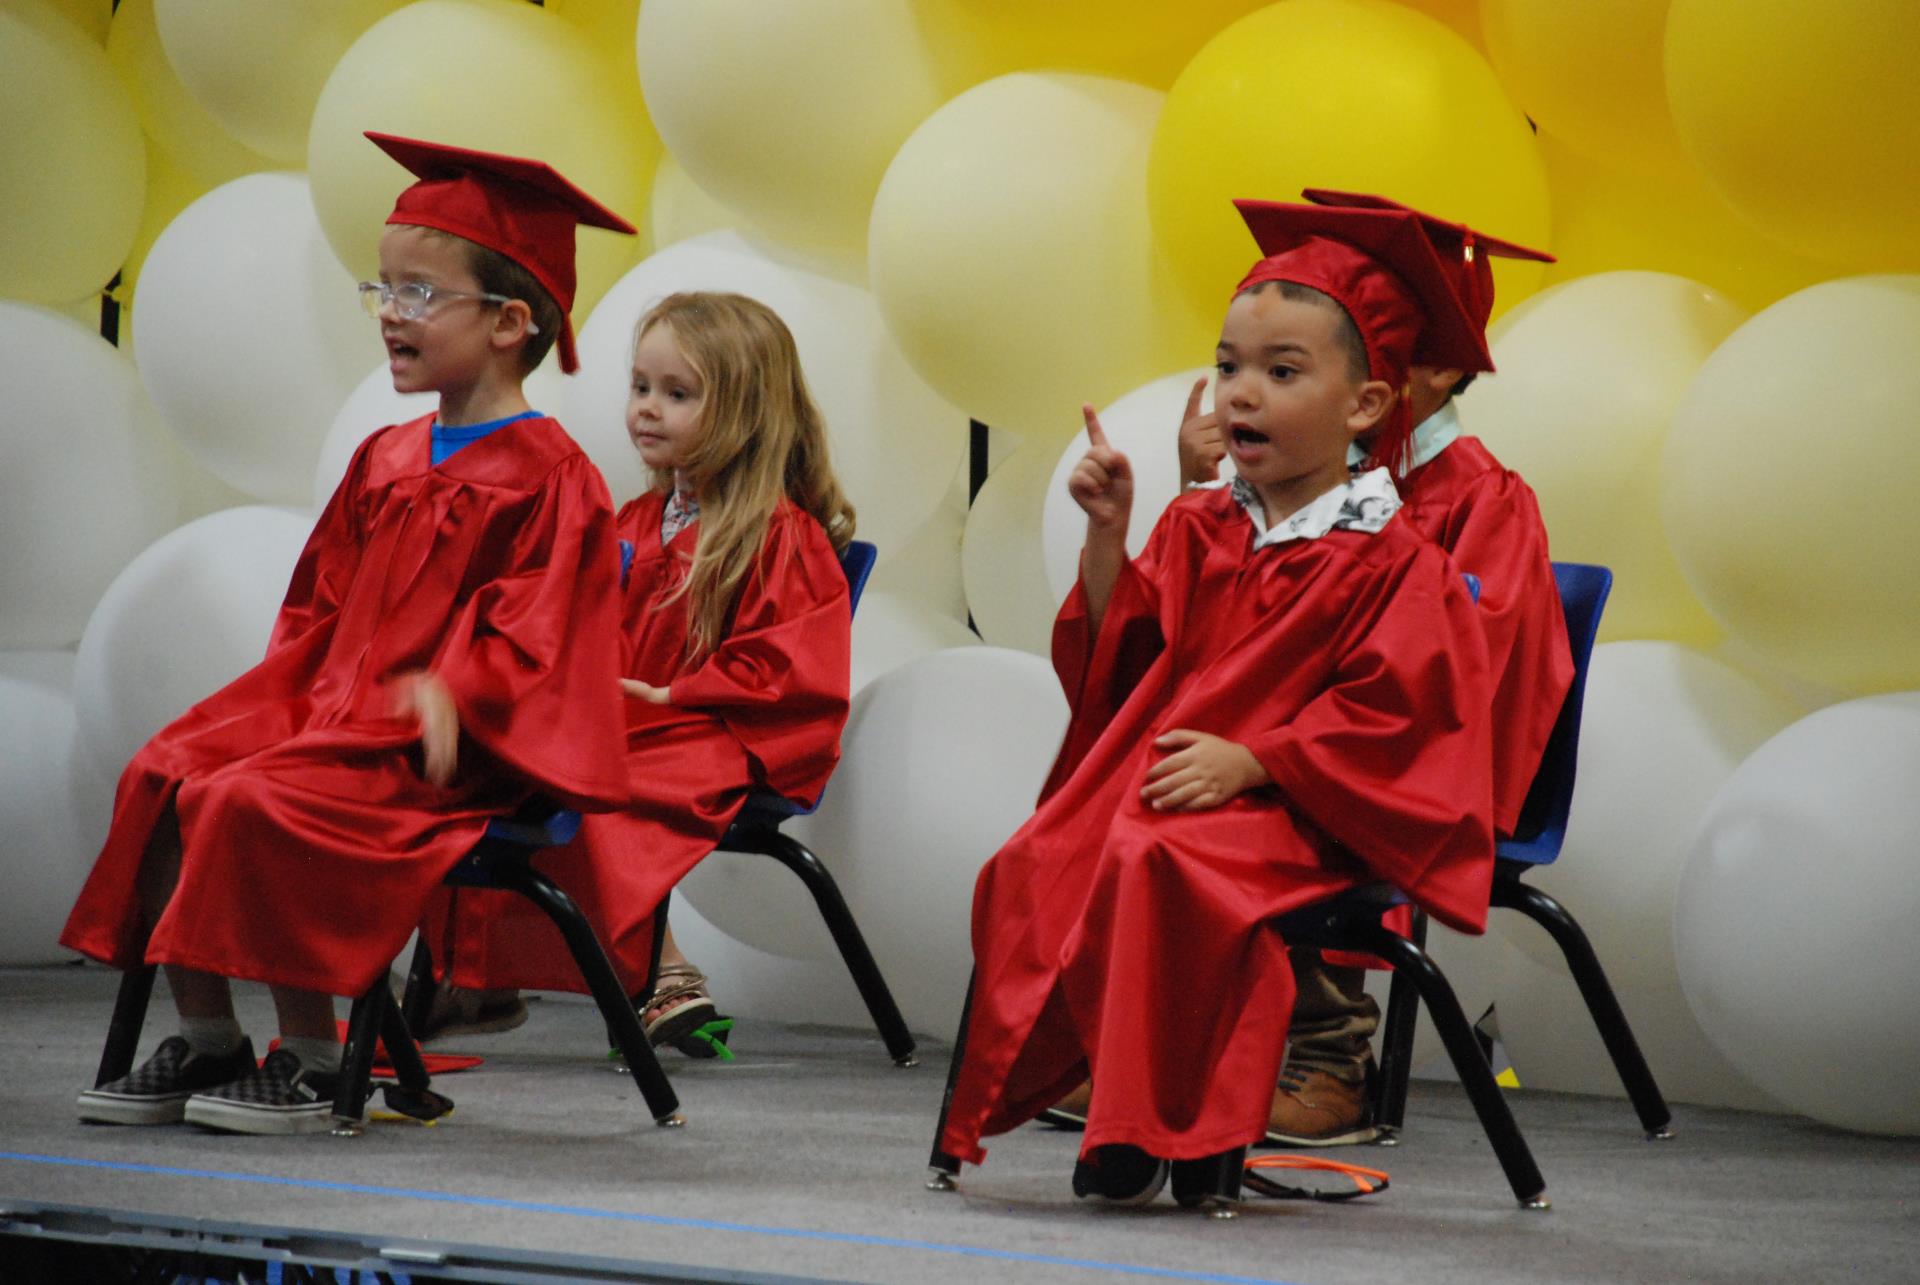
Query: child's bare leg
point(669, 951)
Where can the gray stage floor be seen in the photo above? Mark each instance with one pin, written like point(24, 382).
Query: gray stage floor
point(805, 1158)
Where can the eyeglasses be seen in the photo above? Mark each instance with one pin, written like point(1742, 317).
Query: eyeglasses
point(411, 299)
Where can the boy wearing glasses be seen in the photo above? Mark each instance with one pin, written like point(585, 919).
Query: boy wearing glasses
point(447, 647)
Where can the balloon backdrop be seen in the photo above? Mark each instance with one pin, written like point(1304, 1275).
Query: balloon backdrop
point(788, 113)
point(1144, 426)
point(943, 758)
point(889, 631)
point(1793, 926)
point(1606, 219)
point(1806, 118)
point(680, 209)
point(83, 465)
point(248, 334)
point(503, 76)
point(1664, 728)
point(172, 118)
point(1791, 479)
point(1141, 40)
point(1011, 255)
point(257, 69)
point(1590, 373)
point(1006, 582)
point(186, 617)
point(1355, 94)
point(45, 858)
point(925, 570)
point(895, 442)
point(71, 164)
point(1589, 74)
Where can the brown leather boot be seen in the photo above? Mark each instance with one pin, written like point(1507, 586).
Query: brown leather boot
point(1313, 1109)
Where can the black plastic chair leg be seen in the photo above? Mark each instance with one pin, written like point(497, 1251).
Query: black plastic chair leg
point(129, 1018)
point(1211, 1183)
point(1516, 1159)
point(597, 970)
point(364, 1022)
point(417, 999)
point(944, 1168)
point(796, 857)
point(1635, 1075)
point(1396, 1045)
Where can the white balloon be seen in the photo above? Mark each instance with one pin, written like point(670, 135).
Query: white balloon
point(1001, 561)
point(85, 476)
point(889, 631)
point(45, 858)
point(248, 334)
point(926, 569)
point(1663, 729)
point(896, 444)
point(1793, 928)
point(1144, 426)
point(944, 758)
point(187, 616)
point(374, 404)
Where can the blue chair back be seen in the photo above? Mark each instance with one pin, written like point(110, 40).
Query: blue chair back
point(1543, 818)
point(856, 562)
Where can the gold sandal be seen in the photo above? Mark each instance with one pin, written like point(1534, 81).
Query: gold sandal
point(678, 1006)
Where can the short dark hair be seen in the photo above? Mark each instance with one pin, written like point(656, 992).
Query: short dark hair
point(1346, 334)
point(497, 274)
point(1460, 385)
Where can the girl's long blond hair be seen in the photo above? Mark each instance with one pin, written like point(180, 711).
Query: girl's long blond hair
point(761, 437)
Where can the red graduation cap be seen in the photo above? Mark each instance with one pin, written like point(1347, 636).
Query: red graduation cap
point(1463, 251)
point(1380, 267)
point(522, 208)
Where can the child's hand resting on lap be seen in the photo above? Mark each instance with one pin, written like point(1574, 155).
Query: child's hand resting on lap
point(1203, 771)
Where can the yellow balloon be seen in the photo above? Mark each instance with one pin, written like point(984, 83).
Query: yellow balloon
point(1589, 74)
point(1148, 41)
point(1792, 478)
point(1806, 118)
point(1589, 375)
point(679, 209)
point(71, 164)
point(257, 68)
point(611, 22)
point(1011, 256)
point(91, 16)
point(788, 113)
point(1605, 219)
point(1355, 94)
point(194, 140)
point(499, 75)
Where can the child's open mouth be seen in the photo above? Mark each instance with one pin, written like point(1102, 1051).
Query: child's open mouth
point(1250, 437)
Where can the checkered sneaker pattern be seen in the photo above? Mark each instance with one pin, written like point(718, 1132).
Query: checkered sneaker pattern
point(156, 1091)
point(282, 1096)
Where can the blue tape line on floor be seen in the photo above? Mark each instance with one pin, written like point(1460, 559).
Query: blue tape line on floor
point(656, 1220)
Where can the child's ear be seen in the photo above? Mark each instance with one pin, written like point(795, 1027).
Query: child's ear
point(512, 324)
point(1371, 402)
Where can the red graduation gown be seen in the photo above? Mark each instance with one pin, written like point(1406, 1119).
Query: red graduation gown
point(1133, 945)
point(311, 842)
point(763, 711)
point(1489, 520)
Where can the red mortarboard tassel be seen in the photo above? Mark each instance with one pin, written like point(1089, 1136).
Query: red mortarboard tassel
point(522, 208)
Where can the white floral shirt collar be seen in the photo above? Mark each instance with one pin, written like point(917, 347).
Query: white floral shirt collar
point(1431, 435)
point(682, 511)
point(1362, 503)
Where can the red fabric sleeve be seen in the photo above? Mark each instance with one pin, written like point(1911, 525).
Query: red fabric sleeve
point(1393, 760)
point(779, 680)
point(1495, 532)
point(533, 658)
